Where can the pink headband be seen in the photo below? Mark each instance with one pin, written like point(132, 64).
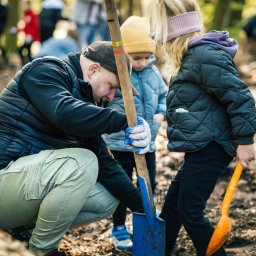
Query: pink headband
point(183, 24)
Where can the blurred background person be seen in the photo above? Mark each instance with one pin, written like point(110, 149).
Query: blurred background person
point(250, 31)
point(3, 19)
point(50, 14)
point(90, 19)
point(30, 27)
point(250, 28)
point(103, 26)
point(63, 42)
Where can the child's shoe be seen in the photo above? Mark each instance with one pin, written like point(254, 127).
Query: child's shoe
point(121, 238)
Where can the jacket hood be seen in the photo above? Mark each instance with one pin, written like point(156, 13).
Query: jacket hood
point(219, 38)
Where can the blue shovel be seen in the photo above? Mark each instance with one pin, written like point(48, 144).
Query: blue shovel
point(148, 229)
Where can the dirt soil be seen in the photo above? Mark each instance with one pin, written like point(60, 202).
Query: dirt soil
point(93, 239)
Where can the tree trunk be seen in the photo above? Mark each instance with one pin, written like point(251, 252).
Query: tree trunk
point(220, 14)
point(227, 13)
point(130, 8)
point(13, 18)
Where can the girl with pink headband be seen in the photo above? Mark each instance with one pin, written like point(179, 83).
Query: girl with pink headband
point(211, 115)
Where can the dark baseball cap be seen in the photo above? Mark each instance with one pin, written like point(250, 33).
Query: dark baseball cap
point(102, 52)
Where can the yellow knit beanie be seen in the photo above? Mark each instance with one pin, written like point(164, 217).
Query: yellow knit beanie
point(135, 35)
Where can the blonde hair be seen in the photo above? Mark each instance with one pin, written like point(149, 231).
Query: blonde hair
point(160, 11)
point(163, 63)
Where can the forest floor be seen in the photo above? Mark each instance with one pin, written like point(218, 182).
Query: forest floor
point(93, 239)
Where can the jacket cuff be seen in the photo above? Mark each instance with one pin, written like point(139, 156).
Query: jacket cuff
point(245, 140)
point(135, 203)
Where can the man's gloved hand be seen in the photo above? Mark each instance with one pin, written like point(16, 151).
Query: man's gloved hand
point(139, 136)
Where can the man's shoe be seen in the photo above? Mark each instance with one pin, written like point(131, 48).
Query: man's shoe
point(121, 238)
point(22, 234)
point(55, 252)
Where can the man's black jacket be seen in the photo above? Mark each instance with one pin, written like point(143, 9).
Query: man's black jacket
point(47, 105)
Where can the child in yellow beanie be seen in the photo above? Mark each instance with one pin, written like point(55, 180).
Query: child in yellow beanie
point(150, 104)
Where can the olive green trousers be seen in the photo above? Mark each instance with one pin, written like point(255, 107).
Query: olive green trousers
point(53, 189)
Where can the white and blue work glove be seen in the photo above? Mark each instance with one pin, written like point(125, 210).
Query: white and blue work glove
point(139, 136)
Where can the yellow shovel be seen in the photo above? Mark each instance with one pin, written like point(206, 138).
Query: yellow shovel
point(223, 227)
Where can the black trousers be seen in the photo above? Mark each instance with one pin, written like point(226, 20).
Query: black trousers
point(4, 55)
point(127, 161)
point(187, 196)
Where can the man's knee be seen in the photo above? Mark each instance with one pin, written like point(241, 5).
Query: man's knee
point(86, 160)
point(74, 164)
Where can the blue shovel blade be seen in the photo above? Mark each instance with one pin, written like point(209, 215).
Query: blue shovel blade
point(148, 229)
point(148, 241)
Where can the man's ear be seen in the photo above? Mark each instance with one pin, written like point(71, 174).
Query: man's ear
point(93, 68)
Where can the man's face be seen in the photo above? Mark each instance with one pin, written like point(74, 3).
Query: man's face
point(139, 60)
point(104, 84)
